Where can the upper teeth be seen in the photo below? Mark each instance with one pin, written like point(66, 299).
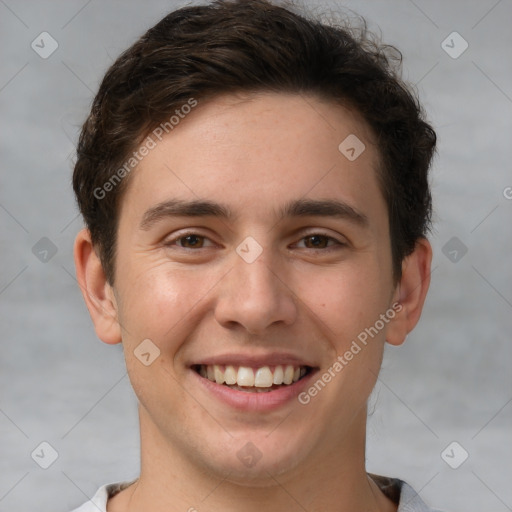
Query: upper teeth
point(262, 377)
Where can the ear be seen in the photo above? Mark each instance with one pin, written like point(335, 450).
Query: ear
point(97, 292)
point(410, 292)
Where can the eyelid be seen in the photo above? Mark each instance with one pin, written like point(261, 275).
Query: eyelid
point(320, 232)
point(197, 232)
point(183, 234)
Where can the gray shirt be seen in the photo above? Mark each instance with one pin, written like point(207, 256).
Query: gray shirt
point(395, 489)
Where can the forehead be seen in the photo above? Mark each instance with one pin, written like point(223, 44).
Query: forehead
point(258, 152)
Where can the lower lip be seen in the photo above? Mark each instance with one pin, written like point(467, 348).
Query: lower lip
point(254, 401)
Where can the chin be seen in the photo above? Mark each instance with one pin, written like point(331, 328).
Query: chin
point(256, 460)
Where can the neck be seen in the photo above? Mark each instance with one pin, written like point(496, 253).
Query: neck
point(334, 479)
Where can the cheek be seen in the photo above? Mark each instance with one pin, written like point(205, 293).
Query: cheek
point(345, 299)
point(347, 304)
point(158, 304)
point(160, 300)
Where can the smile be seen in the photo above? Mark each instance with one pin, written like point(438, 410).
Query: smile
point(249, 379)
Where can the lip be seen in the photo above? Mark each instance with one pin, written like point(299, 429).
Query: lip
point(253, 401)
point(255, 361)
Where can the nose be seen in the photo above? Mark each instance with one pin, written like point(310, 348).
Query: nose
point(255, 296)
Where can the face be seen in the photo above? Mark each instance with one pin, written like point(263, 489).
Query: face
point(251, 249)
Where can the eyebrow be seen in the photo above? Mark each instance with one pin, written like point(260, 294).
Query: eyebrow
point(296, 208)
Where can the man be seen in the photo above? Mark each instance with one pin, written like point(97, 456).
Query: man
point(255, 192)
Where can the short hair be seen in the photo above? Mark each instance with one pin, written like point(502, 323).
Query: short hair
point(240, 46)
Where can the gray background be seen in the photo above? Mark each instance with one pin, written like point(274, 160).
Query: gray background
point(451, 381)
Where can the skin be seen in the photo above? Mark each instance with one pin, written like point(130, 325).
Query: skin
point(253, 154)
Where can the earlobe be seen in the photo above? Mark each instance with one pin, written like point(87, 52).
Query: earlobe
point(97, 292)
point(411, 292)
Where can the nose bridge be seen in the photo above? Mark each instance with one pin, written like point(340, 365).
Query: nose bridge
point(257, 280)
point(254, 295)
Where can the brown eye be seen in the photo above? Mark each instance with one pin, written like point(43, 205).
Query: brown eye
point(316, 241)
point(321, 242)
point(191, 241)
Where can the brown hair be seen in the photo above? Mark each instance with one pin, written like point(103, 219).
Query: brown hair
point(240, 46)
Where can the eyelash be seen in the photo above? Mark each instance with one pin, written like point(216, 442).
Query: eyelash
point(337, 243)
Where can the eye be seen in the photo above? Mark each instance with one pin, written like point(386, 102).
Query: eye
point(189, 241)
point(320, 241)
point(313, 241)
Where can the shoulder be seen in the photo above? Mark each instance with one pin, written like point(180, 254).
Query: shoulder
point(407, 499)
point(98, 503)
point(410, 501)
